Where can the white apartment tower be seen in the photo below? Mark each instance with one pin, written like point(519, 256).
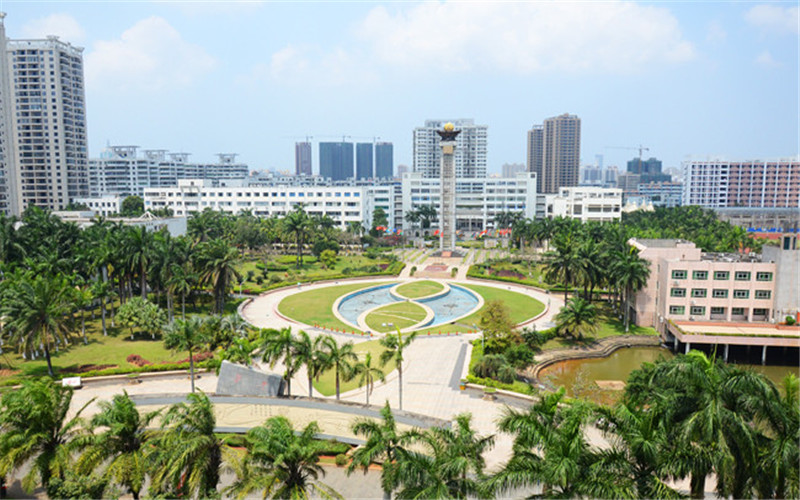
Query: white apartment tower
point(45, 153)
point(470, 151)
point(7, 169)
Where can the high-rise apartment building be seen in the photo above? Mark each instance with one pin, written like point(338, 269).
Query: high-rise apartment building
point(364, 161)
point(554, 152)
point(45, 150)
point(8, 170)
point(302, 158)
point(649, 170)
point(384, 160)
point(511, 169)
point(336, 160)
point(755, 184)
point(470, 152)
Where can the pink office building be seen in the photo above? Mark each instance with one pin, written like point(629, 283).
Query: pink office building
point(755, 184)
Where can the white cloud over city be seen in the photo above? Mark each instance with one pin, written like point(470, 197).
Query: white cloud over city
point(774, 19)
point(149, 56)
point(61, 25)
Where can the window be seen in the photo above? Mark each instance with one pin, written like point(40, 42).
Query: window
point(737, 311)
point(722, 275)
point(717, 310)
point(699, 292)
point(679, 274)
point(677, 309)
point(763, 294)
point(700, 275)
point(759, 312)
point(678, 292)
point(741, 294)
point(719, 294)
point(697, 311)
point(763, 276)
point(742, 275)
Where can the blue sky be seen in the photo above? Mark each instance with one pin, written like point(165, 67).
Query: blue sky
point(716, 79)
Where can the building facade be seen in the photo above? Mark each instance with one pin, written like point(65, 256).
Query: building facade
point(554, 152)
point(471, 149)
point(123, 171)
point(364, 161)
point(754, 184)
point(662, 194)
point(302, 158)
point(477, 200)
point(512, 169)
point(44, 122)
point(336, 160)
point(585, 203)
point(384, 160)
point(8, 171)
point(343, 204)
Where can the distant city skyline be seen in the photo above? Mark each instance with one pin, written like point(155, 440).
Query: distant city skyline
point(244, 77)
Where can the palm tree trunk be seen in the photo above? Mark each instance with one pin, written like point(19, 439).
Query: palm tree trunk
point(47, 357)
point(103, 315)
point(183, 306)
point(337, 383)
point(400, 380)
point(698, 485)
point(83, 328)
point(310, 388)
point(143, 281)
point(626, 306)
point(191, 369)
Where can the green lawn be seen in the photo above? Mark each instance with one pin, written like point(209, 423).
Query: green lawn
point(316, 306)
point(521, 307)
point(326, 384)
point(419, 289)
point(400, 314)
point(608, 326)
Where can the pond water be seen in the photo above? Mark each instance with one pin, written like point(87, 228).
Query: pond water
point(577, 376)
point(455, 304)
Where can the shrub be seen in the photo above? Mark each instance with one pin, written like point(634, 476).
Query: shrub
point(259, 280)
point(790, 320)
point(341, 459)
point(137, 360)
point(413, 270)
point(519, 355)
point(495, 366)
point(453, 272)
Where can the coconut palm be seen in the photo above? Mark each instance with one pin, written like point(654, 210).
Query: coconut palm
point(365, 374)
point(122, 445)
point(281, 463)
point(190, 336)
point(138, 250)
point(182, 282)
point(630, 273)
point(394, 345)
point(577, 318)
point(451, 467)
point(562, 264)
point(187, 456)
point(279, 346)
point(217, 262)
point(383, 441)
point(780, 454)
point(37, 309)
point(102, 290)
point(339, 358)
point(37, 431)
point(82, 298)
point(297, 222)
point(309, 352)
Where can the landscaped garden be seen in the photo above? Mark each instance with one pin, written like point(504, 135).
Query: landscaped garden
point(397, 315)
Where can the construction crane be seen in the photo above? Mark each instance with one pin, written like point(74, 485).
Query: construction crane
point(641, 150)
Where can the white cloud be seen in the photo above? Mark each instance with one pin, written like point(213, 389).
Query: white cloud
point(716, 34)
point(149, 56)
point(61, 25)
point(766, 60)
point(526, 37)
point(774, 18)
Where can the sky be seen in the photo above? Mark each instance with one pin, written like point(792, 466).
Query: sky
point(684, 79)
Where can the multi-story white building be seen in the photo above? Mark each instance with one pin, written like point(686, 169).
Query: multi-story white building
point(478, 200)
point(106, 205)
point(470, 153)
point(121, 170)
point(755, 184)
point(341, 203)
point(43, 124)
point(585, 203)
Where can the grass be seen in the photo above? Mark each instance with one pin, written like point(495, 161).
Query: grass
point(297, 306)
point(608, 326)
point(521, 308)
point(400, 314)
point(419, 289)
point(326, 385)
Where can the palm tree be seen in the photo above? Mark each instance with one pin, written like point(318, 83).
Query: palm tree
point(36, 431)
point(340, 358)
point(779, 474)
point(188, 454)
point(366, 374)
point(217, 263)
point(577, 318)
point(37, 310)
point(122, 446)
point(279, 345)
point(562, 264)
point(182, 282)
point(452, 466)
point(394, 345)
point(412, 217)
point(630, 272)
point(240, 351)
point(102, 290)
point(82, 298)
point(281, 463)
point(309, 352)
point(138, 249)
point(298, 223)
point(382, 443)
point(188, 336)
